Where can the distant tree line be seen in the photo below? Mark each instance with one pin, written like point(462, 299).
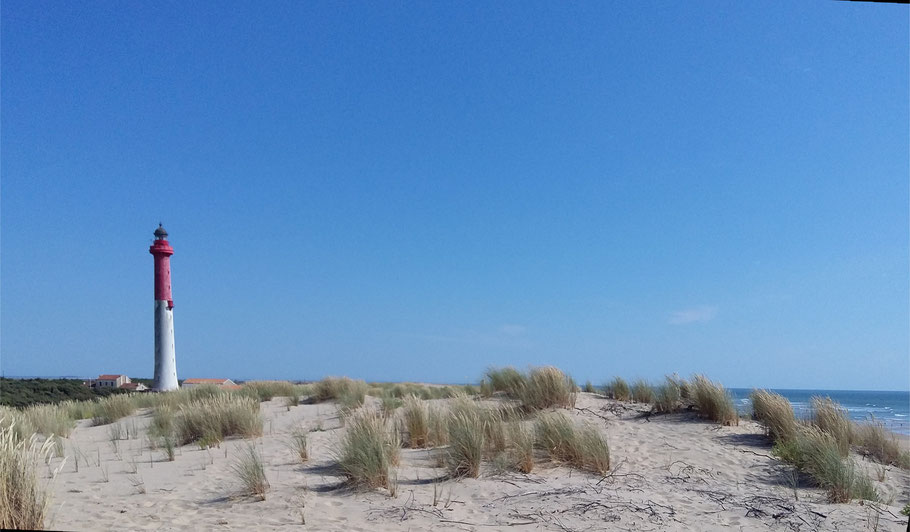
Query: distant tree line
point(24, 392)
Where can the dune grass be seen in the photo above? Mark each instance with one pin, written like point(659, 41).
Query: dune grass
point(248, 469)
point(266, 390)
point(521, 445)
point(507, 380)
point(618, 389)
point(23, 497)
point(369, 449)
point(466, 438)
point(582, 447)
point(49, 419)
point(829, 416)
point(875, 440)
point(349, 393)
point(216, 418)
point(817, 453)
point(547, 387)
point(113, 408)
point(298, 444)
point(713, 402)
point(437, 426)
point(775, 412)
point(667, 396)
point(642, 391)
point(415, 424)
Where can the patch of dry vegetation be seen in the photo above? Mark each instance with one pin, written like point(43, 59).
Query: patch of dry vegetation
point(618, 389)
point(369, 449)
point(582, 447)
point(830, 417)
point(713, 402)
point(213, 419)
point(875, 440)
point(23, 498)
point(248, 469)
point(775, 412)
point(415, 423)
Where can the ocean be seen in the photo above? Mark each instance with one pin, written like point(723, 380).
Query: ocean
point(891, 408)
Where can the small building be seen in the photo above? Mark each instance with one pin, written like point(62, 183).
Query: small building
point(110, 381)
point(222, 383)
point(134, 387)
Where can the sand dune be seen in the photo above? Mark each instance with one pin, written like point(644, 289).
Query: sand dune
point(669, 473)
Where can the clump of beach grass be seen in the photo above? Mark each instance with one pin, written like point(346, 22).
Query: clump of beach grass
point(582, 447)
point(667, 396)
point(369, 449)
point(348, 392)
point(521, 443)
point(248, 469)
point(437, 426)
point(466, 438)
point(23, 498)
point(507, 380)
point(713, 401)
point(298, 443)
point(547, 387)
point(50, 419)
point(113, 408)
point(266, 390)
point(215, 419)
point(619, 389)
point(415, 422)
point(775, 412)
point(875, 440)
point(829, 416)
point(817, 453)
point(642, 392)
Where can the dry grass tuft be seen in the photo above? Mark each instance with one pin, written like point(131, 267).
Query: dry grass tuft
point(49, 420)
point(214, 419)
point(298, 444)
point(368, 450)
point(248, 469)
point(547, 387)
point(348, 392)
point(415, 422)
point(23, 499)
point(466, 438)
point(817, 453)
point(667, 396)
point(112, 408)
point(642, 392)
point(713, 401)
point(875, 440)
point(266, 390)
point(521, 443)
point(618, 389)
point(829, 416)
point(507, 380)
point(775, 412)
point(582, 447)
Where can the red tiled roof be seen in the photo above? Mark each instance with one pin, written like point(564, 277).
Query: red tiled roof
point(205, 381)
point(109, 377)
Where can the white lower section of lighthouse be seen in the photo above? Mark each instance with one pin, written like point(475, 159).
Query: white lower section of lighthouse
point(165, 358)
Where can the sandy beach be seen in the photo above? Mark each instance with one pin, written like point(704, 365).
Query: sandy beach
point(671, 472)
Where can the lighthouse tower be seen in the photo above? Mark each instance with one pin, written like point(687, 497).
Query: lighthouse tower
point(165, 362)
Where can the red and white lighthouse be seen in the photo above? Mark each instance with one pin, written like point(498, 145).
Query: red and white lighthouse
point(165, 361)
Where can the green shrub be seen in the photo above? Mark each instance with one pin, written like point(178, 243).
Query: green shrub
point(714, 402)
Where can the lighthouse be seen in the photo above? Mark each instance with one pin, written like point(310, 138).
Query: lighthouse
point(165, 361)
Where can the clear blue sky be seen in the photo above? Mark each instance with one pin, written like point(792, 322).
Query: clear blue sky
point(416, 191)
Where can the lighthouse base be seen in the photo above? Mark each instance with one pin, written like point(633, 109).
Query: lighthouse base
point(165, 358)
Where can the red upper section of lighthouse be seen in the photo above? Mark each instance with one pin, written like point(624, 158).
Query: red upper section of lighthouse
point(162, 252)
